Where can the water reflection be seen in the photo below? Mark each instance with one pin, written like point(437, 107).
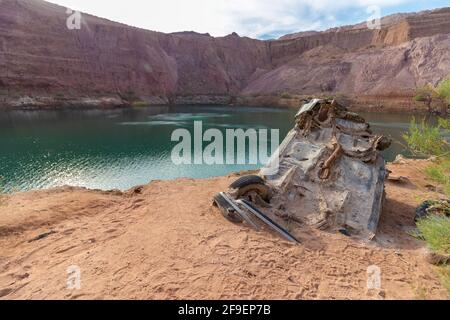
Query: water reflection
point(118, 149)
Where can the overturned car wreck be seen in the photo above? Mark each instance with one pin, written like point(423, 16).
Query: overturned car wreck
point(329, 175)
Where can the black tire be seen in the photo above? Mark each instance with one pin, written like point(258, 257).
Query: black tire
point(226, 209)
point(251, 183)
point(247, 180)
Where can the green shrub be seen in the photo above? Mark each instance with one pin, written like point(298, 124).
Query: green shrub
point(428, 94)
point(437, 175)
point(444, 274)
point(425, 139)
point(436, 232)
point(440, 173)
point(422, 95)
point(443, 90)
point(429, 140)
point(435, 229)
point(444, 123)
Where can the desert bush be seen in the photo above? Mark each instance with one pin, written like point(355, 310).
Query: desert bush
point(444, 123)
point(429, 94)
point(443, 90)
point(425, 139)
point(426, 94)
point(285, 95)
point(444, 274)
point(435, 230)
point(439, 173)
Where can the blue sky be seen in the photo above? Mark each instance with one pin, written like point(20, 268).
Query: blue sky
point(261, 19)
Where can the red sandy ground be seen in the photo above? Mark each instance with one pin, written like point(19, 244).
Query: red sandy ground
point(168, 242)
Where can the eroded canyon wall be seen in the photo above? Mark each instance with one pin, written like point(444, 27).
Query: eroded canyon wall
point(42, 62)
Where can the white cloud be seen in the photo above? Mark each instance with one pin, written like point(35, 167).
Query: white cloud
point(254, 18)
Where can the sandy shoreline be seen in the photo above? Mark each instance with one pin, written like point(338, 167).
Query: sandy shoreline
point(166, 241)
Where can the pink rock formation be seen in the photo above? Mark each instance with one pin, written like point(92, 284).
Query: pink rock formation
point(42, 62)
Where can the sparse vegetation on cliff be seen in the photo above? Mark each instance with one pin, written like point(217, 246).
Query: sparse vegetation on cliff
point(444, 90)
point(436, 232)
point(430, 141)
point(426, 140)
point(425, 94)
point(440, 95)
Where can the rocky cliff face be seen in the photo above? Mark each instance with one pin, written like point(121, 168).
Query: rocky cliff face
point(43, 62)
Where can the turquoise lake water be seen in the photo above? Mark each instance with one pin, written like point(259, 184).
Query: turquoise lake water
point(119, 149)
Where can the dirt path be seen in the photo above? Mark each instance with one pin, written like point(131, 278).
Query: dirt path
point(166, 241)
